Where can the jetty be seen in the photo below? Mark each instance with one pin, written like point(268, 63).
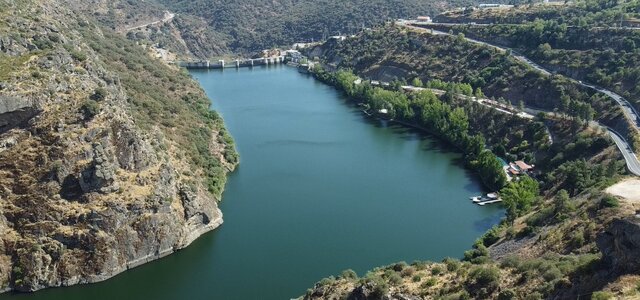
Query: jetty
point(489, 202)
point(488, 199)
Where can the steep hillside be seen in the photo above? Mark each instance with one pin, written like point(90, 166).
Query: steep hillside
point(578, 13)
point(108, 158)
point(389, 53)
point(257, 24)
point(576, 43)
point(563, 235)
point(154, 27)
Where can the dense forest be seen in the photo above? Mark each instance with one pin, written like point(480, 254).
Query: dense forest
point(253, 25)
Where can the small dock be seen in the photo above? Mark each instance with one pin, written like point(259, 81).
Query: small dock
point(488, 199)
point(489, 202)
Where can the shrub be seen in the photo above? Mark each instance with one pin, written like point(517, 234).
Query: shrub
point(511, 261)
point(395, 279)
point(429, 283)
point(601, 296)
point(475, 255)
point(577, 238)
point(507, 295)
point(408, 271)
point(79, 56)
point(90, 109)
point(491, 236)
point(609, 201)
point(380, 287)
point(552, 274)
point(327, 281)
point(416, 278)
point(436, 270)
point(420, 265)
point(99, 94)
point(399, 266)
point(452, 264)
point(349, 274)
point(484, 278)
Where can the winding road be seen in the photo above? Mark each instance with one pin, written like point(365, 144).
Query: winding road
point(168, 16)
point(633, 164)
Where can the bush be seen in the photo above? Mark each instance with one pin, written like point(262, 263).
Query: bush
point(609, 201)
point(507, 295)
point(408, 271)
point(90, 109)
point(511, 261)
point(380, 287)
point(79, 56)
point(420, 265)
point(552, 274)
point(395, 279)
point(601, 296)
point(491, 236)
point(99, 94)
point(475, 255)
point(429, 283)
point(436, 270)
point(416, 278)
point(452, 264)
point(327, 281)
point(349, 274)
point(577, 238)
point(399, 266)
point(487, 278)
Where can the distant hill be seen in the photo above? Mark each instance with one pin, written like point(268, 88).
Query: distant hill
point(253, 25)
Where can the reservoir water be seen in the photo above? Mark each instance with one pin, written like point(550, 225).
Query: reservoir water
point(321, 188)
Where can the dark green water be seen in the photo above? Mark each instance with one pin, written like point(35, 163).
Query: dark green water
point(320, 189)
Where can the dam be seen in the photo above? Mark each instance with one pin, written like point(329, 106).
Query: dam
point(238, 63)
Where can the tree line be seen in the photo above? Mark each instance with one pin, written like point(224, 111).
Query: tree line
point(425, 110)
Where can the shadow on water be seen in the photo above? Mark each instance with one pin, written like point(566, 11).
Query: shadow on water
point(428, 141)
point(485, 224)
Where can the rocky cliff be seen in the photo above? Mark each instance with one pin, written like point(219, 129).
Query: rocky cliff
point(620, 245)
point(96, 173)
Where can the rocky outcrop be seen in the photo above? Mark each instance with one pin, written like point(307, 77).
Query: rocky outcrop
point(86, 190)
point(620, 245)
point(15, 111)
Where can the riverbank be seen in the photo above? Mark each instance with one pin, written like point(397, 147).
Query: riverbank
point(574, 224)
point(428, 113)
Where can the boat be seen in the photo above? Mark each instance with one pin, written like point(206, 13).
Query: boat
point(486, 199)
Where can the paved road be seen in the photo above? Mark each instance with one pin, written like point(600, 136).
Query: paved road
point(168, 16)
point(630, 112)
point(520, 24)
point(632, 160)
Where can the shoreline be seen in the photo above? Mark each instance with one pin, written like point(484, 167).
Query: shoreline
point(187, 240)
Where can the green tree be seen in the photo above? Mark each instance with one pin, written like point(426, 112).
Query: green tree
point(519, 196)
point(416, 82)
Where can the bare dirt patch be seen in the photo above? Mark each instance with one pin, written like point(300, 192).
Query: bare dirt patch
point(628, 189)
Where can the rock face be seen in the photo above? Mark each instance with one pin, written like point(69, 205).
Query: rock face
point(86, 190)
point(620, 245)
point(15, 111)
